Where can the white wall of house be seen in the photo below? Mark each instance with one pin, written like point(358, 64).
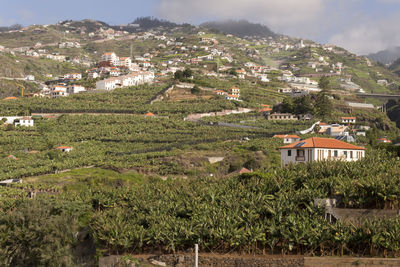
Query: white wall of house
point(25, 122)
point(305, 155)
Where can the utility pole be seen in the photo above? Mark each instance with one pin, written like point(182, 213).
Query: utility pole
point(131, 51)
point(196, 255)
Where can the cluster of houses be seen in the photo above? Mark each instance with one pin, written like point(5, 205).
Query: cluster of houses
point(234, 95)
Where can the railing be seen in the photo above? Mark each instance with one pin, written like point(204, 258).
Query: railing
point(301, 158)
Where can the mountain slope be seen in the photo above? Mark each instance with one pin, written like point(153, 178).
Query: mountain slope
point(241, 28)
point(395, 67)
point(387, 56)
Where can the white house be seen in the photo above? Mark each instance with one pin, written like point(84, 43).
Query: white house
point(108, 84)
point(232, 97)
point(320, 149)
point(24, 121)
point(125, 62)
point(64, 148)
point(73, 76)
point(75, 89)
point(110, 57)
point(58, 93)
point(349, 120)
point(235, 91)
point(288, 139)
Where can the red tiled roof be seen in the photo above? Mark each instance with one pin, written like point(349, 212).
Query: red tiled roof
point(149, 114)
point(318, 142)
point(348, 118)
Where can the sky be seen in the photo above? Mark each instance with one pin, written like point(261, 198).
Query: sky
point(361, 26)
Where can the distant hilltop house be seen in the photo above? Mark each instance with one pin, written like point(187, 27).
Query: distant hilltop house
point(320, 149)
point(287, 138)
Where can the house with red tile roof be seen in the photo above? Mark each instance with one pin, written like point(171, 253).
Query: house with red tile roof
point(384, 141)
point(287, 138)
point(320, 149)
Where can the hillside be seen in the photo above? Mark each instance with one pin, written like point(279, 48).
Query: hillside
point(395, 67)
point(180, 147)
point(241, 28)
point(387, 56)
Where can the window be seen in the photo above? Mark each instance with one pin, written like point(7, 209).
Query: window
point(329, 153)
point(300, 153)
point(335, 153)
point(351, 154)
point(289, 153)
point(345, 154)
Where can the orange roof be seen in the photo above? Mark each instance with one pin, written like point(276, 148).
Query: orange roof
point(219, 91)
point(10, 98)
point(282, 136)
point(318, 142)
point(265, 110)
point(244, 170)
point(264, 105)
point(348, 118)
point(323, 123)
point(64, 147)
point(384, 140)
point(149, 114)
point(235, 88)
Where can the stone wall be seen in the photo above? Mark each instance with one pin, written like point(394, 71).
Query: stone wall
point(183, 260)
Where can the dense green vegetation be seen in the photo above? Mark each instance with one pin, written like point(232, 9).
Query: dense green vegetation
point(270, 212)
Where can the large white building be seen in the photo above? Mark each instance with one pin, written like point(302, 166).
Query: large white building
point(132, 79)
point(320, 149)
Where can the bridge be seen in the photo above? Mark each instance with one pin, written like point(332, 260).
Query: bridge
point(383, 96)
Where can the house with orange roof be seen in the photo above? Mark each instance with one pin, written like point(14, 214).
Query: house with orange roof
point(149, 114)
point(288, 138)
point(11, 98)
point(351, 120)
point(235, 91)
point(220, 92)
point(384, 141)
point(320, 149)
point(232, 97)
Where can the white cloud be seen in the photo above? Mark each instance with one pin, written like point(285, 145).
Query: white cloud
point(370, 35)
point(278, 14)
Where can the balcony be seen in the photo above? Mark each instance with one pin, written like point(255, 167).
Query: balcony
point(303, 158)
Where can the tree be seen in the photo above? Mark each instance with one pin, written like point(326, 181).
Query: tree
point(187, 73)
point(303, 105)
point(195, 90)
point(324, 83)
point(323, 105)
point(178, 75)
point(287, 105)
